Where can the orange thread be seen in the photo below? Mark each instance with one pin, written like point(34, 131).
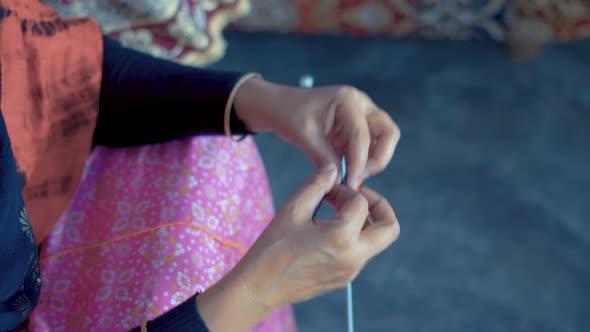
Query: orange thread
point(227, 243)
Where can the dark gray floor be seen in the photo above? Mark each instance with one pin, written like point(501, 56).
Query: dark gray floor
point(491, 181)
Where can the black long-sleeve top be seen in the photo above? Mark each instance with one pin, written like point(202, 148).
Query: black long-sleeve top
point(146, 100)
point(143, 100)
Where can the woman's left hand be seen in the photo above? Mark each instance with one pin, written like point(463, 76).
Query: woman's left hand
point(325, 123)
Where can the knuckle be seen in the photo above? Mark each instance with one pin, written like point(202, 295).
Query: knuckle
point(396, 131)
point(343, 240)
point(356, 134)
point(383, 117)
point(347, 91)
point(350, 271)
point(360, 202)
point(318, 185)
point(308, 125)
point(361, 135)
point(390, 236)
point(315, 182)
point(290, 208)
point(379, 166)
point(395, 232)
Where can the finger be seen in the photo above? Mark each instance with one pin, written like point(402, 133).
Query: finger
point(384, 229)
point(385, 135)
point(302, 204)
point(367, 223)
point(318, 147)
point(351, 208)
point(358, 187)
point(356, 130)
point(339, 195)
point(338, 141)
point(321, 152)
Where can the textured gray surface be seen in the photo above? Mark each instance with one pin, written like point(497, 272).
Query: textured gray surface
point(491, 181)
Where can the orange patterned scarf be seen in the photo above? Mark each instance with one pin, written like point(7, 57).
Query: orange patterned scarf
point(50, 83)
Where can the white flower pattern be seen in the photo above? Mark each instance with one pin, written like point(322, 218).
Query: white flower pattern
point(23, 304)
point(26, 225)
point(188, 244)
point(25, 300)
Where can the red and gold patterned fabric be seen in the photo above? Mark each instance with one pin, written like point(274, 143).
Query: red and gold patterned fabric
point(398, 18)
point(456, 19)
point(188, 31)
point(546, 20)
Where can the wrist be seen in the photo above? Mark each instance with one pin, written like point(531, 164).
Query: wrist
point(230, 304)
point(255, 103)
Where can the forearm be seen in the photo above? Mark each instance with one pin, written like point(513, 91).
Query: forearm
point(146, 100)
point(226, 306)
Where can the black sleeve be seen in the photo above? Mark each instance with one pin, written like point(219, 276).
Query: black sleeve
point(183, 318)
point(146, 100)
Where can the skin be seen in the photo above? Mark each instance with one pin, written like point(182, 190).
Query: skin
point(325, 123)
point(296, 258)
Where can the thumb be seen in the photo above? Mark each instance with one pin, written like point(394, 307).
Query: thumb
point(303, 203)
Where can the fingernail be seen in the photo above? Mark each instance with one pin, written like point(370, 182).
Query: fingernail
point(358, 186)
point(354, 183)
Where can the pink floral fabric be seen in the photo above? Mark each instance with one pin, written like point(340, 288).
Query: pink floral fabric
point(149, 227)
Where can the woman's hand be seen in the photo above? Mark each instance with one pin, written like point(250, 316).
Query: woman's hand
point(296, 258)
point(325, 123)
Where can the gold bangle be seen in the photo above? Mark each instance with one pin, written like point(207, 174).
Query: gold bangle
point(144, 326)
point(230, 103)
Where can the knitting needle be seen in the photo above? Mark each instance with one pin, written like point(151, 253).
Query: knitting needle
point(307, 81)
point(349, 299)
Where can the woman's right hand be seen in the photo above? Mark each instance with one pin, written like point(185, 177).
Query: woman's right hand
point(296, 259)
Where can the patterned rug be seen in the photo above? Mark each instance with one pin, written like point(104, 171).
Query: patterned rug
point(186, 30)
point(539, 20)
point(457, 19)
